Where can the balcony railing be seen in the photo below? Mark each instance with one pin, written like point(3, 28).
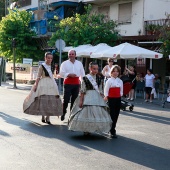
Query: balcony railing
point(155, 26)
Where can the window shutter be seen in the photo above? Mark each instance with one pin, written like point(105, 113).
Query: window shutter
point(125, 13)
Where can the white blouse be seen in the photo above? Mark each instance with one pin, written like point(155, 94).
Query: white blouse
point(113, 82)
point(67, 67)
point(106, 71)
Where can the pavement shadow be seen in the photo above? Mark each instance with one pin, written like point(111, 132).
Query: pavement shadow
point(135, 151)
point(3, 133)
point(146, 116)
point(131, 150)
point(42, 129)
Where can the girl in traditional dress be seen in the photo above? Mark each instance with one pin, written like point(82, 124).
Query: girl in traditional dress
point(44, 97)
point(113, 91)
point(90, 112)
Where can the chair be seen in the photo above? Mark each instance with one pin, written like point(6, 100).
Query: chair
point(140, 88)
point(157, 85)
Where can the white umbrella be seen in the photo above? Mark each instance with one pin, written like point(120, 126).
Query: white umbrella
point(94, 49)
point(78, 49)
point(81, 48)
point(66, 49)
point(127, 51)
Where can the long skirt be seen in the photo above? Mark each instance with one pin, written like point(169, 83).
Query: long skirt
point(45, 101)
point(89, 119)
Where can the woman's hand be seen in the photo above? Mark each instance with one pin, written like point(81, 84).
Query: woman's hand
point(35, 88)
point(81, 104)
point(106, 98)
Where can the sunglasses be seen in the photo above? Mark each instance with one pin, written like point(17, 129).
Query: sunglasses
point(110, 60)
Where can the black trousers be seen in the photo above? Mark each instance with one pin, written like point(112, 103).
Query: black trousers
point(70, 91)
point(114, 105)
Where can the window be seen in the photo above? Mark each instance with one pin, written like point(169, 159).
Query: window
point(23, 3)
point(125, 13)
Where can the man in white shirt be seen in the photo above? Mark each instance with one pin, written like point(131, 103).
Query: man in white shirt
point(71, 70)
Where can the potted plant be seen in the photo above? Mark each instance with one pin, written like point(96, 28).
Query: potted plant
point(150, 29)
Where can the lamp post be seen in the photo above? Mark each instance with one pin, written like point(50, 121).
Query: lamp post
point(14, 71)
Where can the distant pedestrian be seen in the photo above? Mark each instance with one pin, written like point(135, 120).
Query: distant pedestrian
point(132, 76)
point(44, 97)
point(71, 70)
point(149, 84)
point(106, 69)
point(113, 91)
point(90, 112)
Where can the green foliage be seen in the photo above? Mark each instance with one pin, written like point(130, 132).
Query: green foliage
point(90, 28)
point(2, 8)
point(165, 38)
point(16, 25)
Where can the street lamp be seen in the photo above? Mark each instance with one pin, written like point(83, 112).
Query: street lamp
point(14, 71)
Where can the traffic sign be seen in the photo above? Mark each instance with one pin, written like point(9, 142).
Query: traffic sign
point(60, 44)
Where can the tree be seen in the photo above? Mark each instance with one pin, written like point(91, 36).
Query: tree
point(16, 25)
point(89, 28)
point(165, 38)
point(2, 8)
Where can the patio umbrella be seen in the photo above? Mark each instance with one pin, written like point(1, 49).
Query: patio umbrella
point(94, 49)
point(66, 49)
point(78, 49)
point(127, 51)
point(81, 48)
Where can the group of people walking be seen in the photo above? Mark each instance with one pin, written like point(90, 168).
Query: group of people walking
point(89, 111)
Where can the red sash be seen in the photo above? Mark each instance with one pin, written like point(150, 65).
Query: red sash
point(72, 80)
point(114, 92)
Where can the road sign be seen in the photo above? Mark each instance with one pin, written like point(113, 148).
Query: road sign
point(60, 44)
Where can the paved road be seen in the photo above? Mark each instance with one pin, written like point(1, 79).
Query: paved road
point(27, 144)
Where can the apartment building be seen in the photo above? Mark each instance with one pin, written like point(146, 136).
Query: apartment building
point(138, 21)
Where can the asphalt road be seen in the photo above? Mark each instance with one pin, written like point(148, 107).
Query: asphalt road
point(28, 144)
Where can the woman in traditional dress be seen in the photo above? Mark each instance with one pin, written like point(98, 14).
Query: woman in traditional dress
point(90, 112)
point(44, 97)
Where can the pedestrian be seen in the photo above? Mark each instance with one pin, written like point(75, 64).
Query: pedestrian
point(106, 69)
point(132, 76)
point(113, 91)
point(71, 70)
point(90, 111)
point(44, 97)
point(149, 84)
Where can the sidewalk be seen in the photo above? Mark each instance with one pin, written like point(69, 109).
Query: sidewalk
point(10, 85)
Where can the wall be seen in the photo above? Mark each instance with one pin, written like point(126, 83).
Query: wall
point(156, 13)
point(136, 24)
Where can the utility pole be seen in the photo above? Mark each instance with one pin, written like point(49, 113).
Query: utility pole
point(14, 71)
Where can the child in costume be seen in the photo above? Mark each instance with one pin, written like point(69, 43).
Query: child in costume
point(90, 112)
point(113, 91)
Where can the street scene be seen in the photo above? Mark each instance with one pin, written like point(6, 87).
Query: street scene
point(84, 84)
point(27, 143)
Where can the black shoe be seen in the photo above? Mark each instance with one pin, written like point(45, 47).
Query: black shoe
point(86, 134)
point(43, 120)
point(48, 122)
point(114, 136)
point(62, 117)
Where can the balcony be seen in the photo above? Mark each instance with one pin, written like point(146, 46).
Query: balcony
point(154, 27)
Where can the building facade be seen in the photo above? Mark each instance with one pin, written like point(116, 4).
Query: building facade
point(138, 22)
